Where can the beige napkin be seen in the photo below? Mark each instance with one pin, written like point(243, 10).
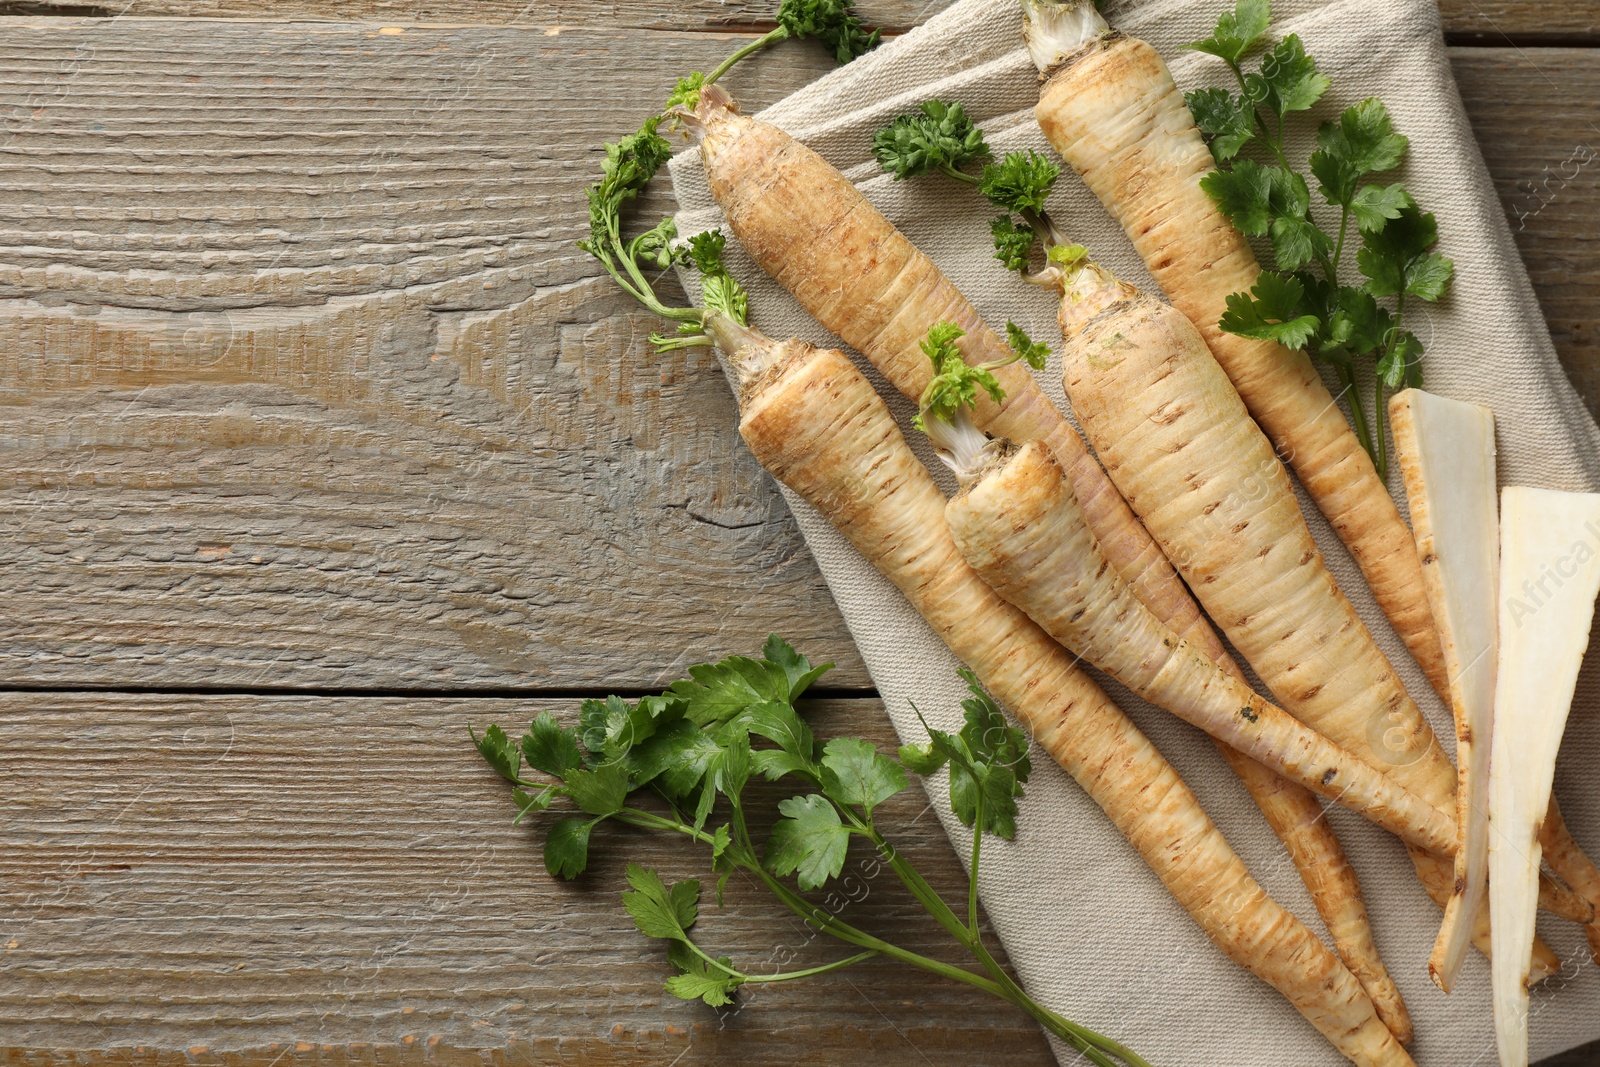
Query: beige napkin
point(1090, 930)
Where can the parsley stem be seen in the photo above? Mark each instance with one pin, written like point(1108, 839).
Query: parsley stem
point(836, 965)
point(958, 175)
point(769, 38)
point(1338, 249)
point(972, 871)
point(1358, 415)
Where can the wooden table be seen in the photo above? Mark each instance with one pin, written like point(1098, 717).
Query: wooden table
point(319, 440)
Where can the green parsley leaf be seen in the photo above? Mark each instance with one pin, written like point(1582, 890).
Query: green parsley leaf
point(496, 748)
point(1401, 361)
point(1244, 195)
point(657, 909)
point(955, 383)
point(855, 772)
point(566, 847)
point(1224, 120)
point(782, 725)
point(600, 791)
point(1397, 259)
point(686, 94)
point(629, 165)
point(797, 670)
point(1024, 347)
point(1236, 31)
point(1362, 142)
point(1274, 310)
point(987, 736)
point(550, 748)
point(1375, 206)
point(1288, 81)
point(1297, 241)
point(1359, 325)
point(924, 759)
point(809, 841)
point(700, 980)
point(1021, 182)
point(706, 249)
point(716, 692)
point(940, 135)
point(675, 759)
point(1013, 243)
point(832, 23)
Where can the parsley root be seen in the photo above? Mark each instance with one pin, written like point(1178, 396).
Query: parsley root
point(1111, 109)
point(817, 425)
point(1018, 525)
point(807, 226)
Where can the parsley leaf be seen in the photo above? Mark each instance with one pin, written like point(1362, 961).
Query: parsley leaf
point(1275, 310)
point(600, 791)
point(1375, 206)
point(1021, 182)
point(700, 980)
point(855, 772)
point(955, 383)
point(1013, 243)
point(1244, 195)
point(1025, 348)
point(1227, 124)
point(497, 749)
point(797, 670)
point(831, 22)
point(566, 847)
point(657, 909)
point(809, 841)
point(1397, 259)
point(1236, 31)
point(939, 135)
point(1362, 142)
point(1288, 80)
point(550, 748)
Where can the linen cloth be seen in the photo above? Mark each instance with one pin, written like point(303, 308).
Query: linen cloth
point(1089, 928)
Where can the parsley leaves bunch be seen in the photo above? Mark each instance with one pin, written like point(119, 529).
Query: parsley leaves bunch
point(956, 383)
point(681, 763)
point(940, 136)
point(1311, 303)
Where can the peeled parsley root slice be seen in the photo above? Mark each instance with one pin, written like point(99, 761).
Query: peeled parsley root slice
point(1549, 577)
point(1446, 453)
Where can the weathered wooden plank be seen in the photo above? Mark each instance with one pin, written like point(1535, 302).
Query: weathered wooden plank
point(306, 880)
point(305, 382)
point(1492, 21)
point(1534, 114)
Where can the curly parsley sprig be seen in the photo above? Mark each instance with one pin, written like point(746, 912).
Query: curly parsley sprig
point(833, 22)
point(941, 137)
point(628, 167)
point(956, 382)
point(681, 764)
point(1306, 304)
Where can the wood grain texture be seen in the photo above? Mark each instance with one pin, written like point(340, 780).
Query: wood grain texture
point(304, 381)
point(348, 887)
point(1490, 21)
point(1534, 114)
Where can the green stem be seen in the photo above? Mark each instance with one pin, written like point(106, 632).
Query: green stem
point(1338, 249)
point(769, 38)
point(959, 175)
point(789, 976)
point(972, 877)
point(1347, 375)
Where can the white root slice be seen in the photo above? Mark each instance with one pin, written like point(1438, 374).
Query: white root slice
point(1446, 453)
point(1549, 578)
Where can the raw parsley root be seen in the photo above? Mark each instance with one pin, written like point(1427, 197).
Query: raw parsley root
point(817, 236)
point(1109, 106)
point(1303, 305)
point(833, 22)
point(824, 432)
point(680, 763)
point(1292, 810)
